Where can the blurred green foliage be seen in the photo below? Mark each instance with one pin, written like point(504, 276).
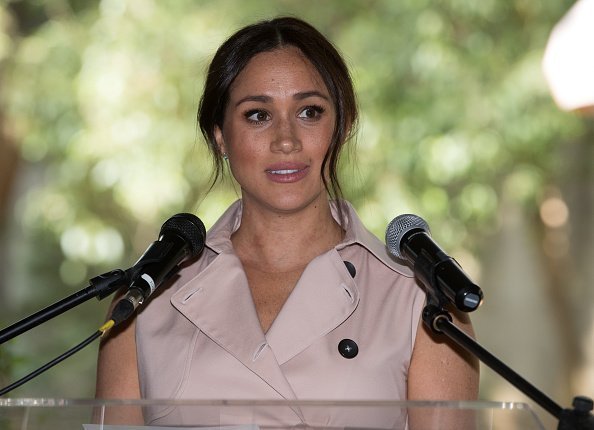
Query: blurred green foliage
point(101, 98)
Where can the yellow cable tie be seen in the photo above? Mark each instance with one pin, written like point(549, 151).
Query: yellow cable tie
point(105, 327)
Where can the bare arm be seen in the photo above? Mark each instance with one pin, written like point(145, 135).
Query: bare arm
point(441, 370)
point(117, 374)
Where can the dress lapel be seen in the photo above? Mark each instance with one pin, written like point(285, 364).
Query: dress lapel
point(323, 298)
point(218, 301)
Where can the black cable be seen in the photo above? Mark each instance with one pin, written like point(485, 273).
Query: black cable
point(58, 359)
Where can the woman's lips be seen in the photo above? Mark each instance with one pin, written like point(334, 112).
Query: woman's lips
point(287, 172)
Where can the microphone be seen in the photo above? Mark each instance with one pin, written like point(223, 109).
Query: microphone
point(181, 236)
point(408, 238)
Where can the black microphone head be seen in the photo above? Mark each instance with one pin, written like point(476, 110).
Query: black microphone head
point(400, 226)
point(188, 227)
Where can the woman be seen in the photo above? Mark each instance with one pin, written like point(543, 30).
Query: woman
point(292, 297)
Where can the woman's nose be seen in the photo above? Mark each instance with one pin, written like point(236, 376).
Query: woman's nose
point(285, 138)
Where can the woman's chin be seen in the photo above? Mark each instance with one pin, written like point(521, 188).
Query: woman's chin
point(292, 204)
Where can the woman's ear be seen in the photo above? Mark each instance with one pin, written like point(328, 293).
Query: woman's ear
point(218, 134)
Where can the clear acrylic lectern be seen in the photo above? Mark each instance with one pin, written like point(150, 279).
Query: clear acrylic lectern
point(81, 414)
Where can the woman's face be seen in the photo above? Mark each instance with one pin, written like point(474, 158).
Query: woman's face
point(277, 129)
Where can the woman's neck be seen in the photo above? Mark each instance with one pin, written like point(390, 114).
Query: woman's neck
point(283, 242)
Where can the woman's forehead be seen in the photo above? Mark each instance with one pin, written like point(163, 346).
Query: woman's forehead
point(282, 72)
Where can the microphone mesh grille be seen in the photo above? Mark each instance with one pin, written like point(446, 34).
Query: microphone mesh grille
point(190, 228)
point(398, 227)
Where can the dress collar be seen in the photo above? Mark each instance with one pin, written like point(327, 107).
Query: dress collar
point(218, 237)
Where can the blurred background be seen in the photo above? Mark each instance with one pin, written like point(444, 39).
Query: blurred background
point(460, 123)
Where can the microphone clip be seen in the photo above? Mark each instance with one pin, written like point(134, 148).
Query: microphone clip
point(106, 284)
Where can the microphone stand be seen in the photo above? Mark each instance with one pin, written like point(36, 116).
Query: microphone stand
point(439, 321)
point(100, 286)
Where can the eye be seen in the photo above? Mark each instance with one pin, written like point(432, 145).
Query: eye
point(311, 112)
point(257, 116)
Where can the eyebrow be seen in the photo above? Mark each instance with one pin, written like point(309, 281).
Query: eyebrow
point(266, 99)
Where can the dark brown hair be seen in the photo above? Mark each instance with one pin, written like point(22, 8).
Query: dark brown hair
point(235, 53)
